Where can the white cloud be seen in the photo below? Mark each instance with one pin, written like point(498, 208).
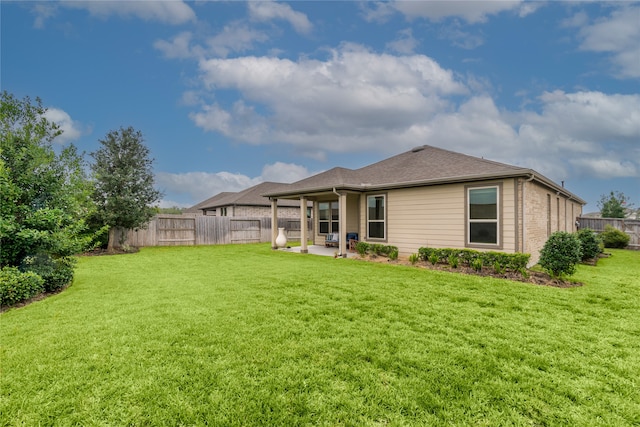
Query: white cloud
point(236, 37)
point(405, 43)
point(469, 10)
point(590, 116)
point(43, 12)
point(199, 186)
point(71, 130)
point(577, 20)
point(614, 167)
point(357, 100)
point(376, 11)
point(178, 48)
point(617, 34)
point(459, 37)
point(213, 118)
point(284, 172)
point(240, 123)
point(584, 134)
point(342, 103)
point(270, 10)
point(172, 12)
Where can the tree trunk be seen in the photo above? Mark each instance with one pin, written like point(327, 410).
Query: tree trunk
point(112, 239)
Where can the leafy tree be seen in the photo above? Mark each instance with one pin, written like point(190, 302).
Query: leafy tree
point(174, 210)
point(613, 205)
point(124, 182)
point(44, 195)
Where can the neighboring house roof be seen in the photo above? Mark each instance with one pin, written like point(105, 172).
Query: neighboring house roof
point(210, 201)
point(250, 197)
point(424, 165)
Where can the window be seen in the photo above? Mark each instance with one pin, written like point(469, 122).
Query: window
point(483, 215)
point(376, 217)
point(328, 217)
point(223, 211)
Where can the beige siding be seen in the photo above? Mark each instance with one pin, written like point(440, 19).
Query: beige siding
point(435, 216)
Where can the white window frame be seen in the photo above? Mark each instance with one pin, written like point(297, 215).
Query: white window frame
point(497, 220)
point(383, 220)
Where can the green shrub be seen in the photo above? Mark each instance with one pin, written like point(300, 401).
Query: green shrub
point(560, 254)
point(589, 243)
point(379, 249)
point(413, 258)
point(453, 260)
point(498, 268)
point(433, 258)
point(476, 264)
point(505, 261)
point(16, 286)
point(614, 238)
point(376, 248)
point(424, 253)
point(362, 248)
point(56, 273)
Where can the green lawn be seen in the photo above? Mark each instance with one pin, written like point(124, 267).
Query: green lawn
point(243, 335)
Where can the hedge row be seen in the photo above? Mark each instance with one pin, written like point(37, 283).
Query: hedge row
point(499, 260)
point(364, 248)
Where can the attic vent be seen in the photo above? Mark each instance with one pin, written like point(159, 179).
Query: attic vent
point(418, 149)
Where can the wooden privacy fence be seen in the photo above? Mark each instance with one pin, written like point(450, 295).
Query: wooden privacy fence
point(177, 230)
point(629, 226)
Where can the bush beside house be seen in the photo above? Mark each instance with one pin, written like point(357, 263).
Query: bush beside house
point(614, 238)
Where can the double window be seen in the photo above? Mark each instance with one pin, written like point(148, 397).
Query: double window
point(483, 215)
point(376, 217)
point(328, 217)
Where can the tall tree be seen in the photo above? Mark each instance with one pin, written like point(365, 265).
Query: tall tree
point(613, 205)
point(44, 195)
point(124, 181)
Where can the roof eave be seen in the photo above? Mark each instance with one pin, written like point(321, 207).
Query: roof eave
point(528, 173)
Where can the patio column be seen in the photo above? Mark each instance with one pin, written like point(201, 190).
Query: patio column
point(274, 223)
point(303, 225)
point(342, 224)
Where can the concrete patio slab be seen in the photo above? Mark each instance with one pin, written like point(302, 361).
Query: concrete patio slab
point(319, 250)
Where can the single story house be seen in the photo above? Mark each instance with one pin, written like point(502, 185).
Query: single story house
point(248, 203)
point(434, 197)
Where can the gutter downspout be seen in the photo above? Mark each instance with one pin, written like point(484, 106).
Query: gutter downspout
point(524, 214)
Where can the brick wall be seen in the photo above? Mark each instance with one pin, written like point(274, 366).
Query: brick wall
point(545, 212)
point(260, 211)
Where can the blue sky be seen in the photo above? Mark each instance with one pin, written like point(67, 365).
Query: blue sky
point(230, 94)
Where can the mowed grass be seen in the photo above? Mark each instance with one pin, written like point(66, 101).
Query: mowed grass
point(243, 335)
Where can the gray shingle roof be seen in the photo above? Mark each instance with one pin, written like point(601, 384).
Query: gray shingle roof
point(424, 165)
point(252, 196)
